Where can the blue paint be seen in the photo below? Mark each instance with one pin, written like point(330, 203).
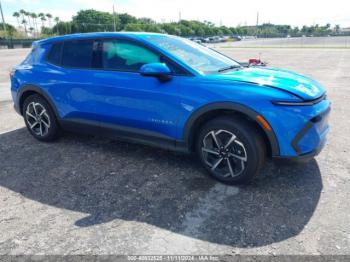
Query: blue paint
point(138, 100)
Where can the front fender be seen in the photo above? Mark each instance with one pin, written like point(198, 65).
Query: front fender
point(250, 113)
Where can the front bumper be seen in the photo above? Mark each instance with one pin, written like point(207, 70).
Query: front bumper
point(303, 157)
point(311, 138)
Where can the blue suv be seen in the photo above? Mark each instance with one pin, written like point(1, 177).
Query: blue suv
point(170, 92)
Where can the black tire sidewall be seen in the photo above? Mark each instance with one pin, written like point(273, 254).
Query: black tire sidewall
point(246, 134)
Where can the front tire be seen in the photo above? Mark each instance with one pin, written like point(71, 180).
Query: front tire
point(231, 149)
point(40, 119)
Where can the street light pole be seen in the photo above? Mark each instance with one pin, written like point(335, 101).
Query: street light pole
point(114, 21)
point(3, 19)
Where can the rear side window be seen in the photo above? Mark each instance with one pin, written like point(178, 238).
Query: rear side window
point(55, 53)
point(77, 54)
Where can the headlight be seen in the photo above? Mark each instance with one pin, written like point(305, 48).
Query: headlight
point(301, 103)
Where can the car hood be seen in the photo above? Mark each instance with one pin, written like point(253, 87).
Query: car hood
point(291, 82)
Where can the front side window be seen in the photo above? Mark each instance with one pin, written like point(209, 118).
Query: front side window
point(197, 56)
point(77, 53)
point(126, 56)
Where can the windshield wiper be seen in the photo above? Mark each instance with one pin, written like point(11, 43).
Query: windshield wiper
point(229, 68)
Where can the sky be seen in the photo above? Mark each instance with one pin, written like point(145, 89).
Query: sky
point(220, 12)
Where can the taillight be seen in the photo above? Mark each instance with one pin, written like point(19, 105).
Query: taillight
point(12, 72)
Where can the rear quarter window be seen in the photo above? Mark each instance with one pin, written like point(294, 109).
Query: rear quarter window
point(55, 53)
point(29, 57)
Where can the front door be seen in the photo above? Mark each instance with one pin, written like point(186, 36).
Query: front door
point(128, 99)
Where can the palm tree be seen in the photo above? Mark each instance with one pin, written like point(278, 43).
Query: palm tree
point(17, 15)
point(34, 17)
point(27, 14)
point(22, 12)
point(42, 18)
point(40, 15)
point(49, 16)
point(57, 20)
point(24, 22)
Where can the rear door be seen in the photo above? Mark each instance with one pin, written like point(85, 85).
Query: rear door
point(70, 80)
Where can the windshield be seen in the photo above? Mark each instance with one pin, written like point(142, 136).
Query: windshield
point(197, 56)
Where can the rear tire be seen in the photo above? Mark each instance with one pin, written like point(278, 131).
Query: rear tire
point(231, 149)
point(40, 119)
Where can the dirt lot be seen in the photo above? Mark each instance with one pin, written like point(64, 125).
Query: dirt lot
point(292, 42)
point(86, 195)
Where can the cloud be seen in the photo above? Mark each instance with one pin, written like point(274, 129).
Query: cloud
point(105, 5)
point(25, 2)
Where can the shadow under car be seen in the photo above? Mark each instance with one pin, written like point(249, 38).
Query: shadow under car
point(110, 180)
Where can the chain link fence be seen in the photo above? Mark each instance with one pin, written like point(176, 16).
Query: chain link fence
point(16, 43)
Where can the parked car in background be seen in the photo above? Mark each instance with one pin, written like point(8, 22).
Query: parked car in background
point(236, 38)
point(196, 39)
point(173, 93)
point(214, 39)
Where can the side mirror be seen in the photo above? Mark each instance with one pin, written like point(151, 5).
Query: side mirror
point(158, 70)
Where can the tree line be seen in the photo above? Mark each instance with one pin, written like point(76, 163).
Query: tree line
point(29, 21)
point(42, 25)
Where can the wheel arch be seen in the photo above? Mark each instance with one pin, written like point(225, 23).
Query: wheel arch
point(29, 90)
point(210, 111)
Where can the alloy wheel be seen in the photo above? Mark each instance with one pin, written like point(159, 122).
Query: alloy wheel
point(223, 153)
point(37, 119)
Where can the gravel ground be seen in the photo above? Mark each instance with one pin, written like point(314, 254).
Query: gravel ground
point(88, 195)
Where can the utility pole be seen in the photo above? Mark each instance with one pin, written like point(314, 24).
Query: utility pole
point(3, 19)
point(179, 16)
point(257, 24)
point(114, 20)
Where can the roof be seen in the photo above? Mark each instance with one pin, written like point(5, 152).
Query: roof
point(81, 36)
